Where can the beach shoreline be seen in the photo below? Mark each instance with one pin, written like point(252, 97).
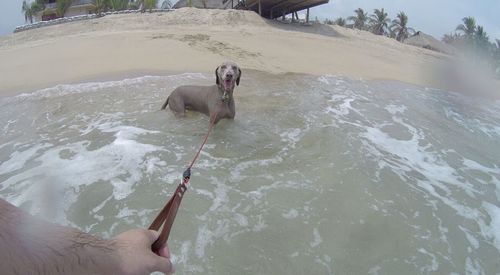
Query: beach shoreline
point(196, 41)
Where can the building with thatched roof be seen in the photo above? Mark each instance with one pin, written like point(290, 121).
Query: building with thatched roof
point(423, 40)
point(266, 8)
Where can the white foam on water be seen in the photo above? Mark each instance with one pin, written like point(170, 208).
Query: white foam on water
point(240, 219)
point(18, 159)
point(472, 240)
point(240, 168)
point(65, 89)
point(473, 124)
point(316, 238)
point(291, 136)
point(492, 229)
point(343, 108)
point(122, 163)
point(7, 126)
point(374, 270)
point(204, 238)
point(492, 172)
point(291, 214)
point(439, 175)
point(434, 263)
point(395, 109)
point(473, 267)
point(439, 178)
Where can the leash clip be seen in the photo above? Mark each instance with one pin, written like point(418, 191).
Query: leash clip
point(225, 96)
point(187, 174)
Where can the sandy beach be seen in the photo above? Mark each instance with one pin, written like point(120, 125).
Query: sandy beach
point(195, 40)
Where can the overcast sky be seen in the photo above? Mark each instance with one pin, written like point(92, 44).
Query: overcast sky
point(435, 17)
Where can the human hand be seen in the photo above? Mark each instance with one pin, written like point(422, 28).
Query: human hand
point(135, 256)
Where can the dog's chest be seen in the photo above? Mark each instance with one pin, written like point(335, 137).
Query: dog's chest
point(226, 110)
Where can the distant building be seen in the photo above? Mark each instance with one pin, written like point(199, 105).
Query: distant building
point(266, 8)
point(78, 7)
point(426, 41)
point(204, 4)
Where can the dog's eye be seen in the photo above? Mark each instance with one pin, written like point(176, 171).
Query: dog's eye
point(223, 67)
point(234, 68)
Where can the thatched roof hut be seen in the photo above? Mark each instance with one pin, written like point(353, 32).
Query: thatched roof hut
point(423, 40)
point(267, 8)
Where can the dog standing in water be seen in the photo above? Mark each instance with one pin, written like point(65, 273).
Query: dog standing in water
point(208, 99)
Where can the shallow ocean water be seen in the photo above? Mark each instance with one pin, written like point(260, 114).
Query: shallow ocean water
point(316, 175)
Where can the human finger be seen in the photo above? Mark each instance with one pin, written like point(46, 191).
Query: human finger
point(153, 236)
point(162, 264)
point(164, 251)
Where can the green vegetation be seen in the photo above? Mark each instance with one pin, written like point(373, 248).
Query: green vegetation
point(30, 10)
point(399, 27)
point(473, 41)
point(468, 28)
point(100, 6)
point(151, 4)
point(62, 6)
point(340, 22)
point(359, 19)
point(118, 5)
point(469, 38)
point(379, 22)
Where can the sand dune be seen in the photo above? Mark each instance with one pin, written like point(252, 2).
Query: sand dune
point(196, 40)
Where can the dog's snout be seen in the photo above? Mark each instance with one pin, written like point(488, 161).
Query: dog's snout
point(229, 75)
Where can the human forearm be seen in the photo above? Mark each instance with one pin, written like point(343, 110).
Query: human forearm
point(30, 245)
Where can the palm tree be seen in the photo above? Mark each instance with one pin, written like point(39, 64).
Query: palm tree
point(30, 10)
point(340, 22)
point(481, 36)
point(450, 38)
point(481, 39)
point(379, 22)
point(151, 4)
point(468, 28)
point(400, 28)
point(118, 5)
point(62, 6)
point(360, 19)
point(328, 21)
point(100, 6)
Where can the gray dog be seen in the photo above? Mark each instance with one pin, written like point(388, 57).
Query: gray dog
point(208, 99)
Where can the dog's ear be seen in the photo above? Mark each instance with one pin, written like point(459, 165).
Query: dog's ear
point(238, 79)
point(216, 76)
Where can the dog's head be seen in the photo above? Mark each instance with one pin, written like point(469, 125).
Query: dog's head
point(227, 74)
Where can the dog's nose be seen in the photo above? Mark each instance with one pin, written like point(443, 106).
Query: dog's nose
point(229, 75)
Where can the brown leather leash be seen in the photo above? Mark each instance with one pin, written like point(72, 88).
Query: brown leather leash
point(167, 214)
